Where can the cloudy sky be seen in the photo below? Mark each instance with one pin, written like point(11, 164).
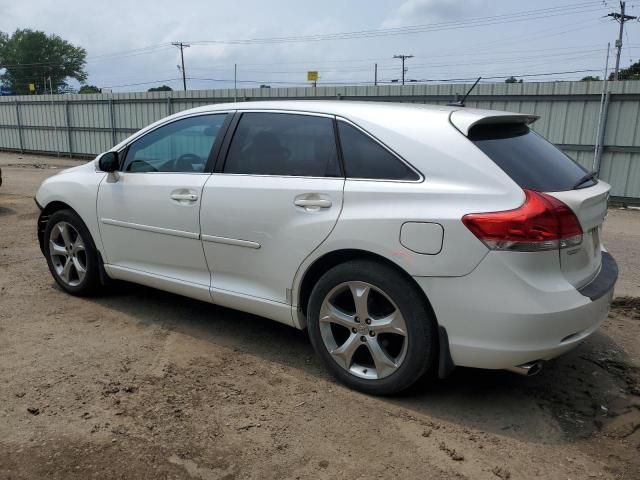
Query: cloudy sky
point(129, 42)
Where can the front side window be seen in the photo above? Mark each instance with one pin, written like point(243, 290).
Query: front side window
point(283, 144)
point(366, 159)
point(180, 146)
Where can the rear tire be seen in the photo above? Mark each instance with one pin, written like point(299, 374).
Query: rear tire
point(71, 254)
point(371, 327)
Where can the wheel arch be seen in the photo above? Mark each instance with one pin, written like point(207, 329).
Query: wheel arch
point(46, 212)
point(55, 206)
point(329, 260)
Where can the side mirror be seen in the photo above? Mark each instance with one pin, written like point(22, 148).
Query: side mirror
point(109, 162)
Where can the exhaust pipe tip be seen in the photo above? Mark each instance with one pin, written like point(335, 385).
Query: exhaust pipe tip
point(528, 369)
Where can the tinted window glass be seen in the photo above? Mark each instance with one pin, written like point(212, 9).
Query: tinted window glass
point(365, 158)
point(181, 146)
point(283, 144)
point(530, 160)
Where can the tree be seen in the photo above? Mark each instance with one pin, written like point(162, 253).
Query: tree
point(31, 56)
point(630, 73)
point(162, 88)
point(512, 79)
point(590, 78)
point(89, 89)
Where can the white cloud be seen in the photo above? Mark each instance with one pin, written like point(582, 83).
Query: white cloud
point(415, 12)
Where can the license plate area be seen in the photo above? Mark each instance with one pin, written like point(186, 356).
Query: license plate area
point(582, 263)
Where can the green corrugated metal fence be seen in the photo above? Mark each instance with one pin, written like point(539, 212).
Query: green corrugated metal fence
point(90, 124)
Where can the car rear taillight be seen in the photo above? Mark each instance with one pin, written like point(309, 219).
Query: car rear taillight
point(541, 223)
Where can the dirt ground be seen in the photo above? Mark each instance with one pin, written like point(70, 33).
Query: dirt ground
point(138, 383)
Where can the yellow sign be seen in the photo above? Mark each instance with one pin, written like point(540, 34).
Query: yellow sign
point(312, 76)
point(32, 87)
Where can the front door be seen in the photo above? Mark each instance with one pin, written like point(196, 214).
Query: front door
point(149, 211)
point(277, 198)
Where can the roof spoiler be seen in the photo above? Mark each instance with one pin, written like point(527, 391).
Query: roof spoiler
point(465, 120)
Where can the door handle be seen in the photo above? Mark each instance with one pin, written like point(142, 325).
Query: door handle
point(306, 202)
point(312, 202)
point(184, 197)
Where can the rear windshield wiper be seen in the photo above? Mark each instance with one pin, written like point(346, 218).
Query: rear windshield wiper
point(585, 179)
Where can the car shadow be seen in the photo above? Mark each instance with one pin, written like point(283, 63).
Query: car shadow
point(569, 400)
point(6, 211)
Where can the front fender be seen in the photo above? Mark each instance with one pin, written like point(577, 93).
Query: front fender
point(77, 189)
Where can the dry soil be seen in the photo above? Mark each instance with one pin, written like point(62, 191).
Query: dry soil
point(137, 383)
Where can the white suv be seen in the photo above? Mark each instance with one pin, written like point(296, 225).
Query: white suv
point(405, 238)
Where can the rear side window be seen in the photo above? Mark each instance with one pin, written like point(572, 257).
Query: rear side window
point(366, 158)
point(530, 160)
point(283, 144)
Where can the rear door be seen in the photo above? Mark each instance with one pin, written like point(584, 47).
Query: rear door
point(535, 164)
point(276, 198)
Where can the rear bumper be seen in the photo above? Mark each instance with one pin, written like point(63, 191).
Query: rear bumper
point(517, 308)
point(604, 281)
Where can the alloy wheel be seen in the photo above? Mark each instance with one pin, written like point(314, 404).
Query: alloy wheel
point(68, 253)
point(363, 330)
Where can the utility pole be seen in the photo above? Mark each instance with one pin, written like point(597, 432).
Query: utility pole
point(375, 75)
point(44, 84)
point(620, 18)
point(602, 116)
point(182, 46)
point(235, 83)
point(403, 58)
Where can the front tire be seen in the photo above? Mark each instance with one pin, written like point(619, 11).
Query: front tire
point(71, 254)
point(371, 327)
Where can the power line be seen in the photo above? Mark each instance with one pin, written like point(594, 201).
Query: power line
point(130, 52)
point(580, 7)
point(363, 82)
point(470, 78)
point(626, 34)
point(544, 74)
point(166, 80)
point(493, 53)
point(101, 57)
point(165, 46)
point(564, 56)
point(379, 59)
point(567, 56)
point(478, 21)
point(558, 30)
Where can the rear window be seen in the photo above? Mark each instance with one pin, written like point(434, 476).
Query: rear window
point(530, 160)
